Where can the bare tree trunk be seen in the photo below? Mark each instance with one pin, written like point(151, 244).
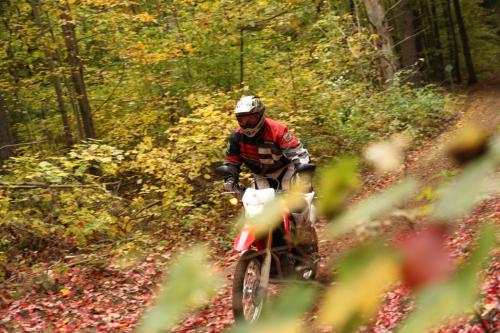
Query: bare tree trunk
point(69, 33)
point(439, 63)
point(67, 84)
point(426, 38)
point(53, 75)
point(376, 15)
point(431, 40)
point(454, 52)
point(356, 15)
point(465, 44)
point(408, 38)
point(5, 133)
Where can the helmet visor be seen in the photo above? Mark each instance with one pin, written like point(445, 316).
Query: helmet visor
point(248, 120)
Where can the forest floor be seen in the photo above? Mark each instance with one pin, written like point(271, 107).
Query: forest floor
point(72, 296)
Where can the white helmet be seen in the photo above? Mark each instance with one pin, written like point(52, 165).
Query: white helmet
point(249, 112)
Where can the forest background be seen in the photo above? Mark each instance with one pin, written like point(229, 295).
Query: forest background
point(113, 113)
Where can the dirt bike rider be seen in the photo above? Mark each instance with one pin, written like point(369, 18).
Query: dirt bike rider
point(267, 148)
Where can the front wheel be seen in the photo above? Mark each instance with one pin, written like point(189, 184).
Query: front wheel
point(248, 298)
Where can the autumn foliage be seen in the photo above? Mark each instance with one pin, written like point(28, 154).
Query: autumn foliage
point(114, 114)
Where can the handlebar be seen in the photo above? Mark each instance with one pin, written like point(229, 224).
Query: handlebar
point(237, 190)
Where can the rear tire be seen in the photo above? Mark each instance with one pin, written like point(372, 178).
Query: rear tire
point(247, 300)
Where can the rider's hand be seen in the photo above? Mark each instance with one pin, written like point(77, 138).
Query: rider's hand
point(297, 163)
point(229, 185)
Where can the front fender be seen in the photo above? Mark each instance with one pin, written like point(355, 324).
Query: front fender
point(245, 239)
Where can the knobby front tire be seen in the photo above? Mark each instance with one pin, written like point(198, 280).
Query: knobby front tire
point(247, 300)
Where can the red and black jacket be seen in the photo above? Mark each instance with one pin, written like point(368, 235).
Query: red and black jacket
point(269, 150)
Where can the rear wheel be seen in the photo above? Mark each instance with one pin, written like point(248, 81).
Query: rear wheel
point(248, 298)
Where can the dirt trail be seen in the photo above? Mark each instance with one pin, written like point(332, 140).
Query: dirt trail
point(425, 162)
point(481, 108)
point(428, 159)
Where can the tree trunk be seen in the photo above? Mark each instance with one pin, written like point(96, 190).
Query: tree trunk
point(465, 44)
point(408, 38)
point(439, 63)
point(454, 53)
point(67, 84)
point(356, 15)
point(69, 34)
point(53, 75)
point(376, 15)
point(426, 38)
point(5, 133)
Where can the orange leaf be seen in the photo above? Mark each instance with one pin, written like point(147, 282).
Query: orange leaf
point(65, 292)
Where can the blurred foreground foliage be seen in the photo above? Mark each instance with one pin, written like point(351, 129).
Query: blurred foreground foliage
point(441, 292)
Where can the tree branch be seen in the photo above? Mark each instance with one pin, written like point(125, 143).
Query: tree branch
point(259, 25)
point(410, 37)
point(22, 144)
point(393, 6)
point(122, 75)
point(49, 185)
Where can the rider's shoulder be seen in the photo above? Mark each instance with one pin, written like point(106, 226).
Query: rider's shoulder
point(275, 127)
point(237, 131)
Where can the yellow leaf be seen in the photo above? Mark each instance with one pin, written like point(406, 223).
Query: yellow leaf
point(360, 296)
point(65, 292)
point(145, 17)
point(293, 326)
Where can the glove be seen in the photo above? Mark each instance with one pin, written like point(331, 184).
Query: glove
point(229, 184)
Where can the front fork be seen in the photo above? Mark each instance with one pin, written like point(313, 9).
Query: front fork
point(266, 267)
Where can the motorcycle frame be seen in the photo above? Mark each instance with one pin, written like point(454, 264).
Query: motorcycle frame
point(263, 247)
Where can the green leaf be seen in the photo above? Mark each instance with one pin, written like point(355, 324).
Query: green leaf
point(336, 182)
point(190, 283)
point(452, 297)
point(293, 302)
point(373, 207)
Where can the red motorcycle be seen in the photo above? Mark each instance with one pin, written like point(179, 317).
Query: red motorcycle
point(289, 250)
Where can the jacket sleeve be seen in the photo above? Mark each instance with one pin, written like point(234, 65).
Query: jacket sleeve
point(292, 148)
point(233, 156)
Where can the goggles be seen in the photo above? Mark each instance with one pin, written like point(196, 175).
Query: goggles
point(249, 120)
